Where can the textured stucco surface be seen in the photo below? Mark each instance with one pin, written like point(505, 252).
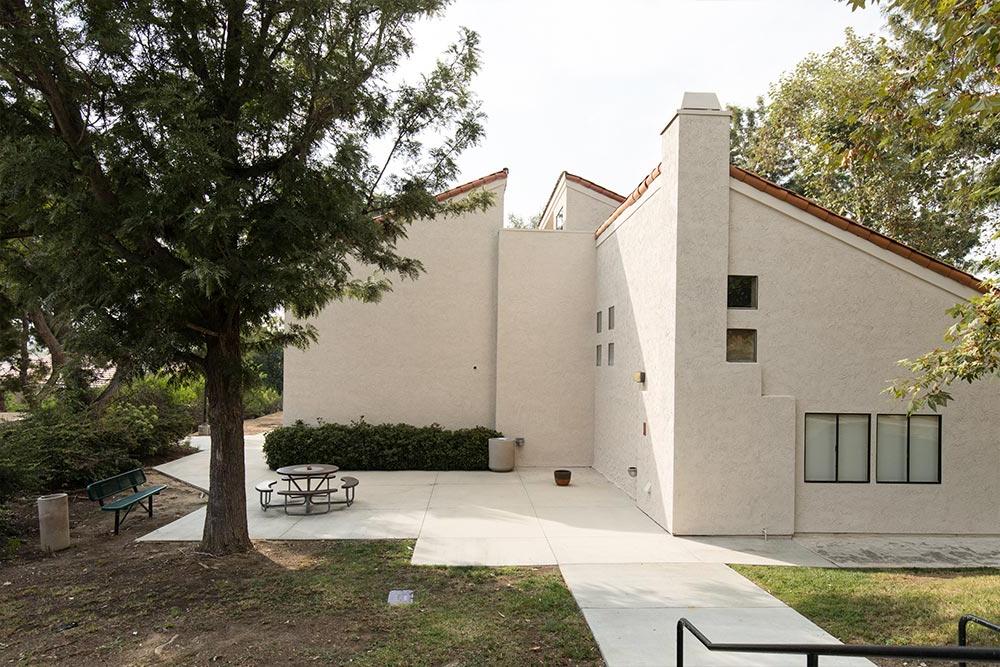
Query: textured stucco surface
point(584, 208)
point(545, 375)
point(427, 352)
point(835, 314)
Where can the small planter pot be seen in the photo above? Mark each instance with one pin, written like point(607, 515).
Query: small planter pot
point(562, 477)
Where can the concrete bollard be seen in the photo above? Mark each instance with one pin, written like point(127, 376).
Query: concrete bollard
point(53, 521)
point(501, 454)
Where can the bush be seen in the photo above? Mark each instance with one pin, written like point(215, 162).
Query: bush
point(363, 446)
point(179, 403)
point(57, 448)
point(259, 401)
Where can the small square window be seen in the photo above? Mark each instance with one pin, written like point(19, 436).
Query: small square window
point(599, 315)
point(741, 345)
point(598, 355)
point(742, 292)
point(611, 354)
point(611, 318)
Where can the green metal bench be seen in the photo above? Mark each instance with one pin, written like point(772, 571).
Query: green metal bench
point(127, 481)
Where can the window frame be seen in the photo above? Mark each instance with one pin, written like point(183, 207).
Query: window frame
point(559, 222)
point(611, 318)
point(611, 354)
point(753, 291)
point(908, 418)
point(598, 355)
point(600, 321)
point(836, 450)
point(739, 361)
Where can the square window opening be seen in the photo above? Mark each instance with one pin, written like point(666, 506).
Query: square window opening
point(741, 345)
point(742, 292)
point(837, 447)
point(908, 449)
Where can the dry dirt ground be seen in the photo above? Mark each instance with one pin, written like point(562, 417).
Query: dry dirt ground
point(110, 600)
point(262, 424)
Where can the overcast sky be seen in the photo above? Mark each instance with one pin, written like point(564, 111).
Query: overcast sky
point(587, 86)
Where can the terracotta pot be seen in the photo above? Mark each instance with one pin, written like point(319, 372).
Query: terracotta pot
point(562, 477)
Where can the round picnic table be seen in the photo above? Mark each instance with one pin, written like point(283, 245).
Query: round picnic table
point(309, 480)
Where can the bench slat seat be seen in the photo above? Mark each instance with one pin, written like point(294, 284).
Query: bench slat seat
point(127, 501)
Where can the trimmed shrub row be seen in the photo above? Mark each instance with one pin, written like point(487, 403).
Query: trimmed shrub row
point(363, 446)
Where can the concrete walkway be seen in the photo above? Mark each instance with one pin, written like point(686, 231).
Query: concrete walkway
point(631, 578)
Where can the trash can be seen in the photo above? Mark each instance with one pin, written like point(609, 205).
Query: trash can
point(53, 521)
point(501, 454)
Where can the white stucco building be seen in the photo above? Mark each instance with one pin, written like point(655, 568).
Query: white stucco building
point(765, 328)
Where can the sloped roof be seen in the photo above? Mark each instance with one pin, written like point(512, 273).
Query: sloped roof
point(826, 215)
point(472, 185)
point(580, 180)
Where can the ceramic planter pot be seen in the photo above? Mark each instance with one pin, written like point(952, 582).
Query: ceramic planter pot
point(562, 477)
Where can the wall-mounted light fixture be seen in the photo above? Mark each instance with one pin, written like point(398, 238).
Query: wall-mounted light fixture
point(519, 442)
point(632, 471)
point(639, 376)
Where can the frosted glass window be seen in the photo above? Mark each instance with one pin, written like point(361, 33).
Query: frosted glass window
point(890, 441)
point(925, 448)
point(821, 448)
point(611, 318)
point(611, 354)
point(741, 345)
point(852, 448)
point(909, 449)
point(598, 355)
point(837, 447)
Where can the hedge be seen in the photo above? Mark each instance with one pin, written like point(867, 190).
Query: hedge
point(364, 446)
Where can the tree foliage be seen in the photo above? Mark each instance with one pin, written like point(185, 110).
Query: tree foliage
point(192, 166)
point(842, 128)
point(954, 51)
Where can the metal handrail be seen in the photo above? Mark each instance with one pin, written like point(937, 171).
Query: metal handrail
point(963, 623)
point(813, 651)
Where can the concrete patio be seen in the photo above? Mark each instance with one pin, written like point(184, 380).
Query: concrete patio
point(631, 578)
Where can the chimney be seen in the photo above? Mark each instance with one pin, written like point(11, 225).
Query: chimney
point(696, 166)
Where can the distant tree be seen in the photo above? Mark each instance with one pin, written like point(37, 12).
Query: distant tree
point(515, 221)
point(837, 129)
point(192, 166)
point(954, 47)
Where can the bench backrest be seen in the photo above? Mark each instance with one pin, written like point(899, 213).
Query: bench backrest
point(106, 488)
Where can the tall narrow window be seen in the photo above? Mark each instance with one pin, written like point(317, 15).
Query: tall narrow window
point(611, 354)
point(560, 219)
point(908, 449)
point(598, 355)
point(742, 292)
point(741, 345)
point(611, 318)
point(837, 447)
point(600, 314)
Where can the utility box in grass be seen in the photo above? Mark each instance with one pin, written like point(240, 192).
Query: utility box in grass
point(501, 454)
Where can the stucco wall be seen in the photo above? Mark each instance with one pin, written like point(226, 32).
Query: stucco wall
point(586, 209)
point(834, 315)
point(545, 373)
point(634, 276)
point(427, 352)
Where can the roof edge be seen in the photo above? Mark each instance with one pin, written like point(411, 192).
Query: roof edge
point(881, 240)
point(472, 185)
point(579, 180)
point(628, 201)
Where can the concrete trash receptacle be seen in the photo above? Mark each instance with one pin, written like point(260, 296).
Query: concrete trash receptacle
point(53, 521)
point(501, 454)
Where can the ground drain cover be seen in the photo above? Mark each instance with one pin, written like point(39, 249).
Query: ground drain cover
point(400, 597)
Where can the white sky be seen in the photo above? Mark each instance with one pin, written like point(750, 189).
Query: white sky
point(586, 85)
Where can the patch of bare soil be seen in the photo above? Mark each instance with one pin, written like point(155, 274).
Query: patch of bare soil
point(263, 424)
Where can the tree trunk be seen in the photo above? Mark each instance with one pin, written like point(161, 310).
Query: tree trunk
point(101, 403)
point(226, 520)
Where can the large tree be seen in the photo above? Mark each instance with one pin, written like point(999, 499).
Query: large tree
point(841, 128)
point(955, 51)
point(194, 165)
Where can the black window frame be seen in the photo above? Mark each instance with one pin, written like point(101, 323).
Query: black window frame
point(836, 450)
point(908, 417)
point(753, 291)
point(741, 361)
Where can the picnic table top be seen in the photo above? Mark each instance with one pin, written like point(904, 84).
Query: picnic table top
point(308, 470)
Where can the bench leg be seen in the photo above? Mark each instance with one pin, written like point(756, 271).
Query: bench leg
point(117, 521)
point(150, 506)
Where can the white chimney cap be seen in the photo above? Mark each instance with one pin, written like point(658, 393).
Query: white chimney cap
point(701, 101)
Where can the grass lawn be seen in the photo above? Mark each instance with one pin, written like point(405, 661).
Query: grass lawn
point(887, 606)
point(111, 600)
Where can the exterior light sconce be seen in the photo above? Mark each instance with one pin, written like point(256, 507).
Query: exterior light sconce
point(639, 377)
point(519, 442)
point(632, 471)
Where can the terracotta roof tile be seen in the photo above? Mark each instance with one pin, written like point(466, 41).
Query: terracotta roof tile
point(798, 201)
point(472, 185)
